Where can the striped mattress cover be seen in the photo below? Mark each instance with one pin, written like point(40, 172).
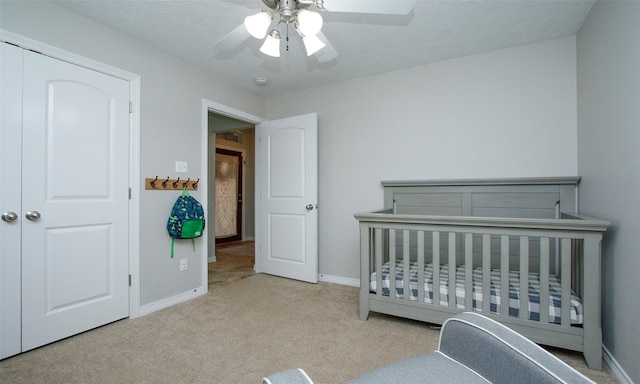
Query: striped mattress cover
point(514, 285)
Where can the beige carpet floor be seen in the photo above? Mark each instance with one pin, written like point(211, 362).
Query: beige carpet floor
point(238, 333)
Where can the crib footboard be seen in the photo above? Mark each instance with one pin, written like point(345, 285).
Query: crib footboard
point(540, 277)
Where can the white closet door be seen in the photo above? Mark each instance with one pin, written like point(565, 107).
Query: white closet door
point(75, 159)
point(10, 197)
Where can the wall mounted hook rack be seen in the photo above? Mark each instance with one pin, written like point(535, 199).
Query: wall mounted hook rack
point(169, 184)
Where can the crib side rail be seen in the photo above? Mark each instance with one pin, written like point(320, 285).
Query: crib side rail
point(578, 247)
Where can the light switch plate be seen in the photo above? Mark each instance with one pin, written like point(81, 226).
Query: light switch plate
point(182, 167)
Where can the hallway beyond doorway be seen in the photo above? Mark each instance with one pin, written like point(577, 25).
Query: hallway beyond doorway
point(234, 261)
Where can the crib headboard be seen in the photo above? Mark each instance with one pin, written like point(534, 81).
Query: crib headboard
point(538, 198)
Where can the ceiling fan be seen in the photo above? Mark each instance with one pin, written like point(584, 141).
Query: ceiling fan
point(306, 23)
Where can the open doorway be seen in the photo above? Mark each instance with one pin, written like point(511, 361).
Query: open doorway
point(231, 196)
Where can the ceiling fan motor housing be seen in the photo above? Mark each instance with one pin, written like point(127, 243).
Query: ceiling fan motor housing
point(292, 5)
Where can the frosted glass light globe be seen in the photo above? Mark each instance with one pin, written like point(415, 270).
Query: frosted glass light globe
point(258, 24)
point(271, 45)
point(309, 23)
point(312, 44)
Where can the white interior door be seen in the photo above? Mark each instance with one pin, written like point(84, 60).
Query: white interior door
point(10, 197)
point(287, 237)
point(74, 212)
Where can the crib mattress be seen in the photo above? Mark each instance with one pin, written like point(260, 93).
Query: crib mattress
point(495, 306)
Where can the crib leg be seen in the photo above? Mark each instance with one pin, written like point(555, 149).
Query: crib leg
point(592, 324)
point(364, 305)
point(365, 260)
point(364, 313)
point(593, 356)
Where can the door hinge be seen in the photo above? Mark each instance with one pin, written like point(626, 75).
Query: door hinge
point(129, 280)
point(129, 193)
point(131, 107)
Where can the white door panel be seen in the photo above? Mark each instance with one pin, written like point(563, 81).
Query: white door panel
point(288, 237)
point(75, 161)
point(286, 154)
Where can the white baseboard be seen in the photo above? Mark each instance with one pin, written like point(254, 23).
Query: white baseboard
point(339, 280)
point(614, 367)
point(169, 301)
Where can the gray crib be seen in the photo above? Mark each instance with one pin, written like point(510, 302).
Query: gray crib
point(513, 249)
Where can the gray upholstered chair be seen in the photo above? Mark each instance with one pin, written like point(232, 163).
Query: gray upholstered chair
point(472, 349)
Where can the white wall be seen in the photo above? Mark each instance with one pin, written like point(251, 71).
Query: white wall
point(609, 161)
point(508, 113)
point(171, 101)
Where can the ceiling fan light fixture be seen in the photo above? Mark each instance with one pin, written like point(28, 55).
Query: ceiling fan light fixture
point(258, 24)
point(271, 45)
point(312, 44)
point(309, 23)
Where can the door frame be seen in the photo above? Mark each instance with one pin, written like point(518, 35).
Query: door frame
point(134, 146)
point(224, 110)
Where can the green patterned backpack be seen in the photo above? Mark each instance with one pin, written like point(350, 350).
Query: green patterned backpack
point(186, 220)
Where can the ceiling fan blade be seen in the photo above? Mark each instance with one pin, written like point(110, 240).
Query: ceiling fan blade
point(389, 7)
point(328, 53)
point(232, 39)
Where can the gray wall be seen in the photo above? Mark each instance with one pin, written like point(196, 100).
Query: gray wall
point(507, 113)
point(609, 162)
point(170, 125)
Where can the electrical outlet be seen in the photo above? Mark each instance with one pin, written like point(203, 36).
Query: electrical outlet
point(183, 264)
point(182, 166)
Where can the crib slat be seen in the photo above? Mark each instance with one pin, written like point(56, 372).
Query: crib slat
point(392, 263)
point(486, 273)
point(524, 277)
point(468, 271)
point(544, 280)
point(406, 266)
point(452, 269)
point(565, 272)
point(420, 266)
point(504, 275)
point(378, 256)
point(435, 260)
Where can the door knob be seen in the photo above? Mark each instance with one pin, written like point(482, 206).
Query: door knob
point(33, 215)
point(9, 216)
point(309, 207)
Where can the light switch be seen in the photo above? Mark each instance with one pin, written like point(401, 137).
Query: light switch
point(182, 167)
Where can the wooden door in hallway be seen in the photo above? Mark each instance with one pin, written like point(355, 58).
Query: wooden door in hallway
point(229, 198)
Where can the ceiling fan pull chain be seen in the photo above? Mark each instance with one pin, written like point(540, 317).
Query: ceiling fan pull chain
point(287, 37)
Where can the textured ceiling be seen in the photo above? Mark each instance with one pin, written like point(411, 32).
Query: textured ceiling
point(367, 44)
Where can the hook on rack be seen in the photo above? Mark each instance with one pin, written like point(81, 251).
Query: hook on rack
point(153, 183)
point(175, 183)
point(164, 183)
point(184, 185)
point(195, 185)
